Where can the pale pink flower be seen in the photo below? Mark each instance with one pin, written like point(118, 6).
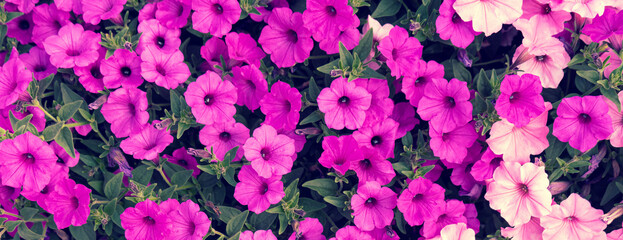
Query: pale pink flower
point(573, 219)
point(531, 230)
point(378, 32)
point(616, 138)
point(488, 15)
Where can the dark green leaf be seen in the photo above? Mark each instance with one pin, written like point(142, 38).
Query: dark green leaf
point(113, 186)
point(611, 192)
point(142, 175)
point(324, 186)
point(235, 224)
point(44, 83)
point(590, 75)
point(11, 225)
point(327, 68)
point(181, 128)
point(166, 193)
point(263, 220)
point(577, 59)
point(291, 190)
point(364, 47)
point(229, 176)
point(27, 213)
point(339, 202)
point(370, 73)
point(229, 156)
point(556, 147)
point(313, 91)
point(180, 178)
point(460, 72)
point(346, 58)
point(482, 84)
point(12, 15)
point(84, 232)
point(175, 102)
point(66, 140)
point(612, 95)
point(227, 213)
point(312, 118)
point(68, 110)
point(407, 139)
point(309, 205)
point(479, 103)
point(26, 233)
point(386, 8)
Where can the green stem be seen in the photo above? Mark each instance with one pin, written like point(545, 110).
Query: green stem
point(47, 114)
point(164, 176)
point(297, 76)
point(329, 218)
point(100, 202)
point(489, 62)
point(76, 124)
point(102, 137)
point(212, 230)
point(591, 90)
point(47, 94)
point(10, 214)
point(187, 186)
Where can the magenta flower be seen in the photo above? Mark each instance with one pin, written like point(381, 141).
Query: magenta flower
point(451, 27)
point(258, 235)
point(573, 219)
point(73, 47)
point(326, 18)
point(282, 106)
point(258, 192)
point(413, 85)
point(452, 145)
point(95, 11)
point(373, 206)
point(270, 154)
point(211, 99)
point(69, 203)
point(380, 136)
point(69, 6)
point(212, 51)
point(344, 104)
point(483, 168)
point(147, 12)
point(446, 104)
point(37, 61)
point(215, 16)
point(252, 87)
point(154, 34)
point(421, 201)
point(404, 115)
point(126, 111)
point(167, 70)
point(182, 158)
point(349, 37)
point(604, 26)
point(285, 38)
point(519, 192)
point(351, 233)
point(540, 12)
point(24, 6)
point(265, 12)
point(309, 229)
point(381, 105)
point(339, 153)
point(66, 161)
point(382, 234)
point(27, 161)
point(14, 79)
point(145, 221)
point(582, 121)
point(47, 20)
point(123, 68)
point(173, 13)
point(147, 144)
point(91, 77)
point(222, 137)
point(401, 51)
point(520, 99)
point(450, 212)
point(242, 47)
point(372, 167)
point(188, 222)
point(20, 28)
point(616, 138)
point(58, 174)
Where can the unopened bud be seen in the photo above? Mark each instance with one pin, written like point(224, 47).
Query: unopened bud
point(464, 58)
point(104, 221)
point(98, 102)
point(558, 187)
point(597, 60)
point(299, 212)
point(164, 124)
point(128, 46)
point(415, 26)
point(133, 187)
point(199, 153)
point(308, 131)
point(115, 157)
point(336, 72)
point(214, 208)
point(614, 213)
point(390, 232)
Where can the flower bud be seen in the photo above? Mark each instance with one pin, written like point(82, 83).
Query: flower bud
point(464, 58)
point(613, 214)
point(98, 102)
point(558, 187)
point(164, 124)
point(199, 153)
point(115, 157)
point(308, 131)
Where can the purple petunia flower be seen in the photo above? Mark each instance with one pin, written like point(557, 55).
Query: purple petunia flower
point(167, 70)
point(95, 11)
point(285, 38)
point(520, 99)
point(215, 16)
point(344, 104)
point(380, 136)
point(38, 61)
point(91, 76)
point(123, 68)
point(147, 144)
point(258, 192)
point(242, 47)
point(73, 47)
point(401, 51)
point(282, 106)
point(340, 152)
point(373, 206)
point(446, 104)
point(14, 79)
point(270, 153)
point(27, 161)
point(145, 221)
point(181, 157)
point(326, 18)
point(20, 28)
point(69, 203)
point(251, 86)
point(421, 201)
point(126, 111)
point(373, 167)
point(48, 20)
point(173, 13)
point(154, 34)
point(211, 99)
point(582, 121)
point(414, 85)
point(223, 136)
point(188, 222)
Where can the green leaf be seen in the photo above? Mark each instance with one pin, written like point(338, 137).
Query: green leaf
point(84, 232)
point(370, 73)
point(18, 123)
point(346, 58)
point(313, 91)
point(166, 193)
point(263, 220)
point(327, 68)
point(309, 205)
point(339, 202)
point(27, 213)
point(479, 103)
point(235, 224)
point(230, 155)
point(460, 72)
point(180, 178)
point(68, 110)
point(482, 84)
point(364, 47)
point(324, 186)
point(283, 223)
point(611, 192)
point(113, 186)
point(44, 83)
point(175, 102)
point(612, 95)
point(291, 190)
point(229, 176)
point(142, 174)
point(26, 233)
point(66, 140)
point(11, 225)
point(386, 8)
point(423, 170)
point(227, 213)
point(556, 147)
point(312, 118)
point(400, 221)
point(407, 139)
point(12, 15)
point(577, 59)
point(181, 128)
point(590, 75)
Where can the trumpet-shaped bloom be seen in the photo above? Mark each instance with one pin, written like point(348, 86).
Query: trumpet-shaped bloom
point(69, 203)
point(421, 201)
point(14, 79)
point(222, 137)
point(123, 68)
point(483, 168)
point(258, 192)
point(258, 235)
point(173, 13)
point(373, 206)
point(573, 219)
point(540, 13)
point(520, 99)
point(270, 153)
point(188, 222)
point(154, 34)
point(582, 121)
point(282, 106)
point(286, 38)
point(616, 138)
point(91, 76)
point(451, 27)
point(380, 136)
point(452, 146)
point(95, 11)
point(604, 26)
point(373, 167)
point(145, 221)
point(242, 47)
point(48, 20)
point(326, 18)
point(519, 192)
point(414, 85)
point(446, 104)
point(147, 144)
point(531, 230)
point(73, 47)
point(211, 99)
point(27, 161)
point(251, 86)
point(546, 58)
point(488, 15)
point(215, 16)
point(212, 51)
point(401, 51)
point(344, 104)
point(181, 157)
point(339, 153)
point(450, 213)
point(21, 28)
point(310, 229)
point(167, 70)
point(585, 8)
point(381, 105)
point(404, 115)
point(126, 111)
point(38, 61)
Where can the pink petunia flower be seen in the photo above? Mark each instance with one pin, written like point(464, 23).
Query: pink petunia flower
point(483, 168)
point(24, 6)
point(349, 38)
point(344, 104)
point(286, 38)
point(251, 86)
point(401, 51)
point(212, 51)
point(614, 61)
point(414, 85)
point(65, 160)
point(126, 111)
point(91, 76)
point(173, 13)
point(604, 26)
point(154, 34)
point(582, 121)
point(123, 68)
point(378, 32)
point(421, 201)
point(270, 153)
point(20, 28)
point(616, 234)
point(573, 219)
point(446, 104)
point(531, 230)
point(265, 12)
point(380, 136)
point(215, 16)
point(73, 47)
point(519, 192)
point(488, 15)
point(38, 61)
point(95, 11)
point(309, 229)
point(258, 192)
point(339, 153)
point(242, 47)
point(585, 8)
point(547, 59)
point(520, 99)
point(47, 20)
point(188, 222)
point(450, 212)
point(351, 233)
point(546, 19)
point(222, 137)
point(167, 70)
point(258, 235)
point(457, 231)
point(326, 18)
point(452, 146)
point(14, 79)
point(147, 144)
point(516, 144)
point(145, 221)
point(282, 106)
point(211, 99)
point(74, 6)
point(404, 115)
point(147, 12)
point(58, 174)
point(373, 167)
point(27, 161)
point(616, 138)
point(451, 27)
point(373, 206)
point(181, 157)
point(381, 105)
point(69, 203)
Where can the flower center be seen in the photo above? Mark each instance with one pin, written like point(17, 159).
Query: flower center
point(217, 8)
point(28, 158)
point(513, 97)
point(149, 220)
point(126, 71)
point(420, 80)
point(417, 197)
point(370, 202)
point(251, 84)
point(182, 162)
point(131, 108)
point(523, 188)
point(74, 202)
point(456, 18)
point(23, 24)
point(263, 188)
point(541, 58)
point(95, 72)
point(208, 99)
point(331, 11)
point(39, 68)
point(160, 42)
point(161, 70)
point(344, 100)
point(376, 140)
point(546, 9)
point(72, 52)
point(224, 136)
point(292, 36)
point(584, 118)
point(365, 164)
point(339, 161)
point(450, 103)
point(445, 137)
point(265, 153)
point(395, 54)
